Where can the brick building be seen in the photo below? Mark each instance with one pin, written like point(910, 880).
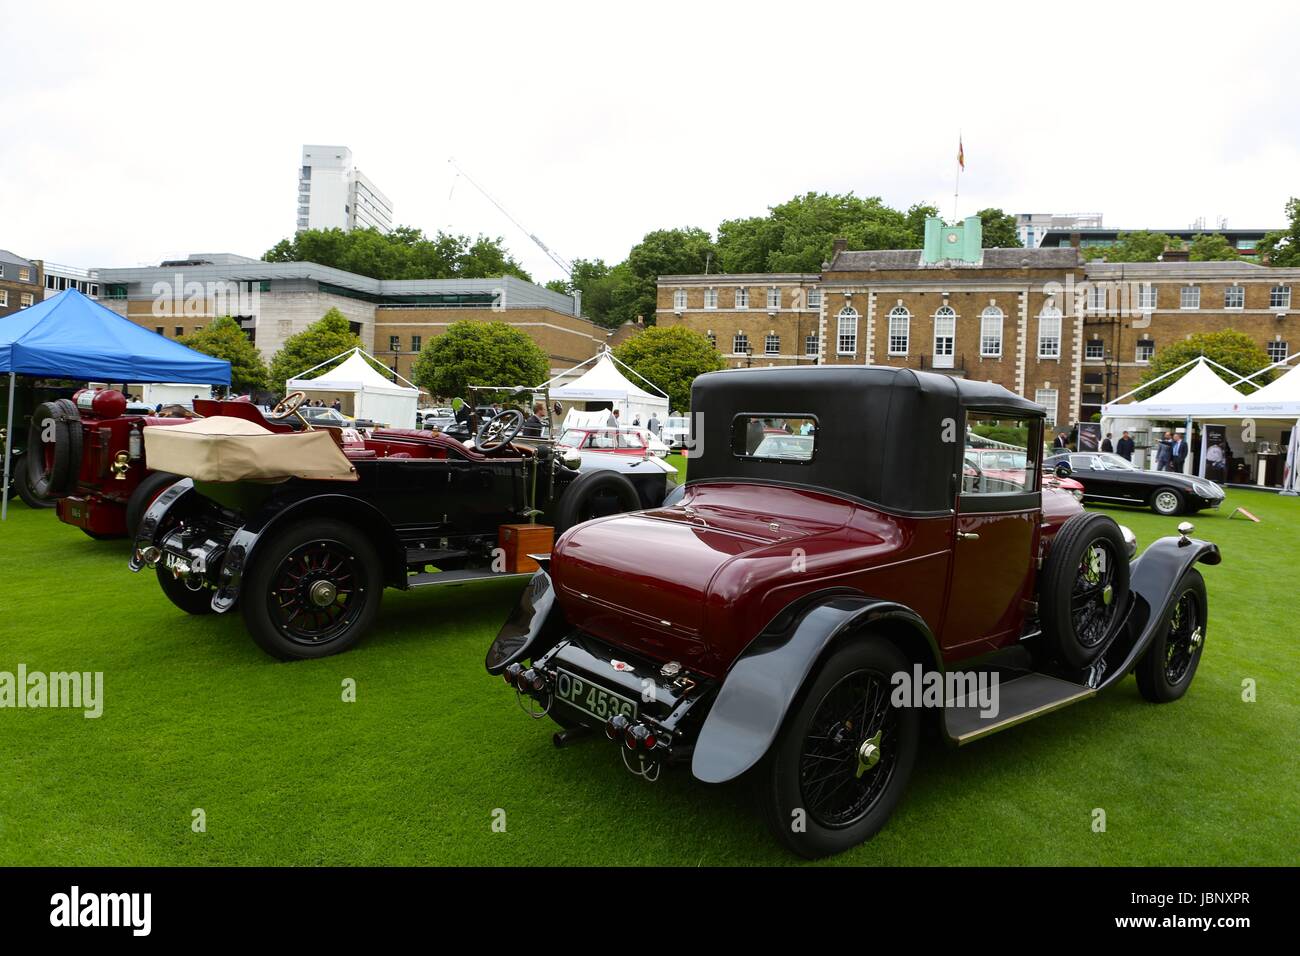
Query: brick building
point(20, 283)
point(1042, 322)
point(395, 319)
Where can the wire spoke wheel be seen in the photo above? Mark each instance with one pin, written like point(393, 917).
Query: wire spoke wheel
point(1184, 640)
point(1092, 604)
point(850, 750)
point(315, 595)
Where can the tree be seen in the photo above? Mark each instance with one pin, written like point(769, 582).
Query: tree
point(223, 338)
point(798, 235)
point(1282, 248)
point(1230, 348)
point(633, 289)
point(479, 353)
point(999, 229)
point(404, 253)
point(1210, 248)
point(1139, 246)
point(325, 338)
point(671, 357)
point(597, 283)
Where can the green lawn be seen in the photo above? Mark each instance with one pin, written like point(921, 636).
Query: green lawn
point(196, 717)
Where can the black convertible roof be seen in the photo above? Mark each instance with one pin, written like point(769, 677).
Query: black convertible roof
point(890, 436)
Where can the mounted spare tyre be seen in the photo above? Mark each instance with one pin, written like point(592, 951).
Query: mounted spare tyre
point(53, 464)
point(1084, 588)
point(22, 485)
point(595, 494)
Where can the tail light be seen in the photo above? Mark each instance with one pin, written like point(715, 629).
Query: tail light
point(635, 736)
point(615, 726)
point(511, 674)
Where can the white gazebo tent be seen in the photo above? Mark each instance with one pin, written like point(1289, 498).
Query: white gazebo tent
point(603, 385)
point(373, 396)
point(1278, 403)
point(1200, 395)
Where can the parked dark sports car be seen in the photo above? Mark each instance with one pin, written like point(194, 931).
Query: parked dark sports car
point(781, 620)
point(1110, 479)
point(306, 547)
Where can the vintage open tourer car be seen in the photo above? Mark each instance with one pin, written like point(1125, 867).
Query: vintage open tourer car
point(783, 617)
point(303, 529)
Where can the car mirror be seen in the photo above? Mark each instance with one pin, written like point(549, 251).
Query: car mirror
point(1063, 470)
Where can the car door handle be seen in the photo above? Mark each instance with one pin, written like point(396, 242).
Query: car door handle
point(968, 535)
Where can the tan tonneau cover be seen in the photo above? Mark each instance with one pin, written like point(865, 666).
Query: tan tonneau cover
point(222, 448)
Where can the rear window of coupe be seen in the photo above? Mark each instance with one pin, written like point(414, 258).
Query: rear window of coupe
point(790, 438)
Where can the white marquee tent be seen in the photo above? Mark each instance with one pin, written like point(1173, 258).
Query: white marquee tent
point(1280, 398)
point(373, 396)
point(603, 384)
point(1199, 394)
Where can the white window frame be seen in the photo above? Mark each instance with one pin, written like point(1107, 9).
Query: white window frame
point(774, 293)
point(4, 298)
point(737, 346)
point(1049, 344)
point(946, 315)
point(713, 339)
point(1097, 298)
point(1279, 297)
point(1144, 345)
point(846, 331)
point(900, 330)
point(1237, 292)
point(1192, 293)
point(1277, 351)
point(679, 300)
point(1041, 396)
point(991, 320)
point(771, 344)
point(1101, 349)
point(26, 300)
point(742, 297)
point(1148, 296)
point(814, 298)
point(811, 344)
point(710, 299)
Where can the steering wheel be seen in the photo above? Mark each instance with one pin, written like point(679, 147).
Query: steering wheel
point(287, 406)
point(499, 430)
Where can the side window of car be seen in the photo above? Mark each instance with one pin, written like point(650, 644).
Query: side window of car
point(998, 458)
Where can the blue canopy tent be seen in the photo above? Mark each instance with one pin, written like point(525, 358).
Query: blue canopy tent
point(73, 337)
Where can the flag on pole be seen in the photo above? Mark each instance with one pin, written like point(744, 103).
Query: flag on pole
point(961, 154)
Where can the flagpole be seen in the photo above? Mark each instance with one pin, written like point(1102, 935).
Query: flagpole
point(956, 180)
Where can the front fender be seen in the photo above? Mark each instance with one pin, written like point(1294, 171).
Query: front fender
point(1153, 581)
point(177, 496)
point(764, 681)
point(531, 630)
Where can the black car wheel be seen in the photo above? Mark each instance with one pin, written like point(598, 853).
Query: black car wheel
point(22, 485)
point(1166, 670)
point(595, 494)
point(313, 590)
point(53, 465)
point(190, 600)
point(844, 754)
point(1168, 502)
point(1084, 587)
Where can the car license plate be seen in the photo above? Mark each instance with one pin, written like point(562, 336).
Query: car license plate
point(592, 698)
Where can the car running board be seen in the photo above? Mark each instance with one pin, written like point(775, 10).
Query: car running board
point(1019, 700)
point(430, 578)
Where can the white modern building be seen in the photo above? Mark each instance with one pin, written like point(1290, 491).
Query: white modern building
point(1032, 226)
point(59, 278)
point(334, 194)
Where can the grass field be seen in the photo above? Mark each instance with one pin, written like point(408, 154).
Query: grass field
point(412, 772)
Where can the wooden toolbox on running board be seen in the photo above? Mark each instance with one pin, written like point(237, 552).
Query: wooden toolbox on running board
point(518, 541)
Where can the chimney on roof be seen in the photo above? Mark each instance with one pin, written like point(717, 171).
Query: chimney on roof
point(838, 246)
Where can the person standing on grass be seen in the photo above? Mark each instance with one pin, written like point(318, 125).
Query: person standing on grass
point(1106, 444)
point(1125, 447)
point(1164, 454)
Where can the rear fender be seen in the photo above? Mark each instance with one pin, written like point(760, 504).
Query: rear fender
point(534, 626)
point(244, 544)
point(172, 501)
point(765, 680)
point(1153, 582)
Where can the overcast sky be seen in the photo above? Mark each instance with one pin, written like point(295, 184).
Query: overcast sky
point(138, 131)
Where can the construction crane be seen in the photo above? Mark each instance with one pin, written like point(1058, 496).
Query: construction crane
point(555, 257)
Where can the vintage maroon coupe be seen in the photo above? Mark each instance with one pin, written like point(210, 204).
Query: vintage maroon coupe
point(794, 615)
